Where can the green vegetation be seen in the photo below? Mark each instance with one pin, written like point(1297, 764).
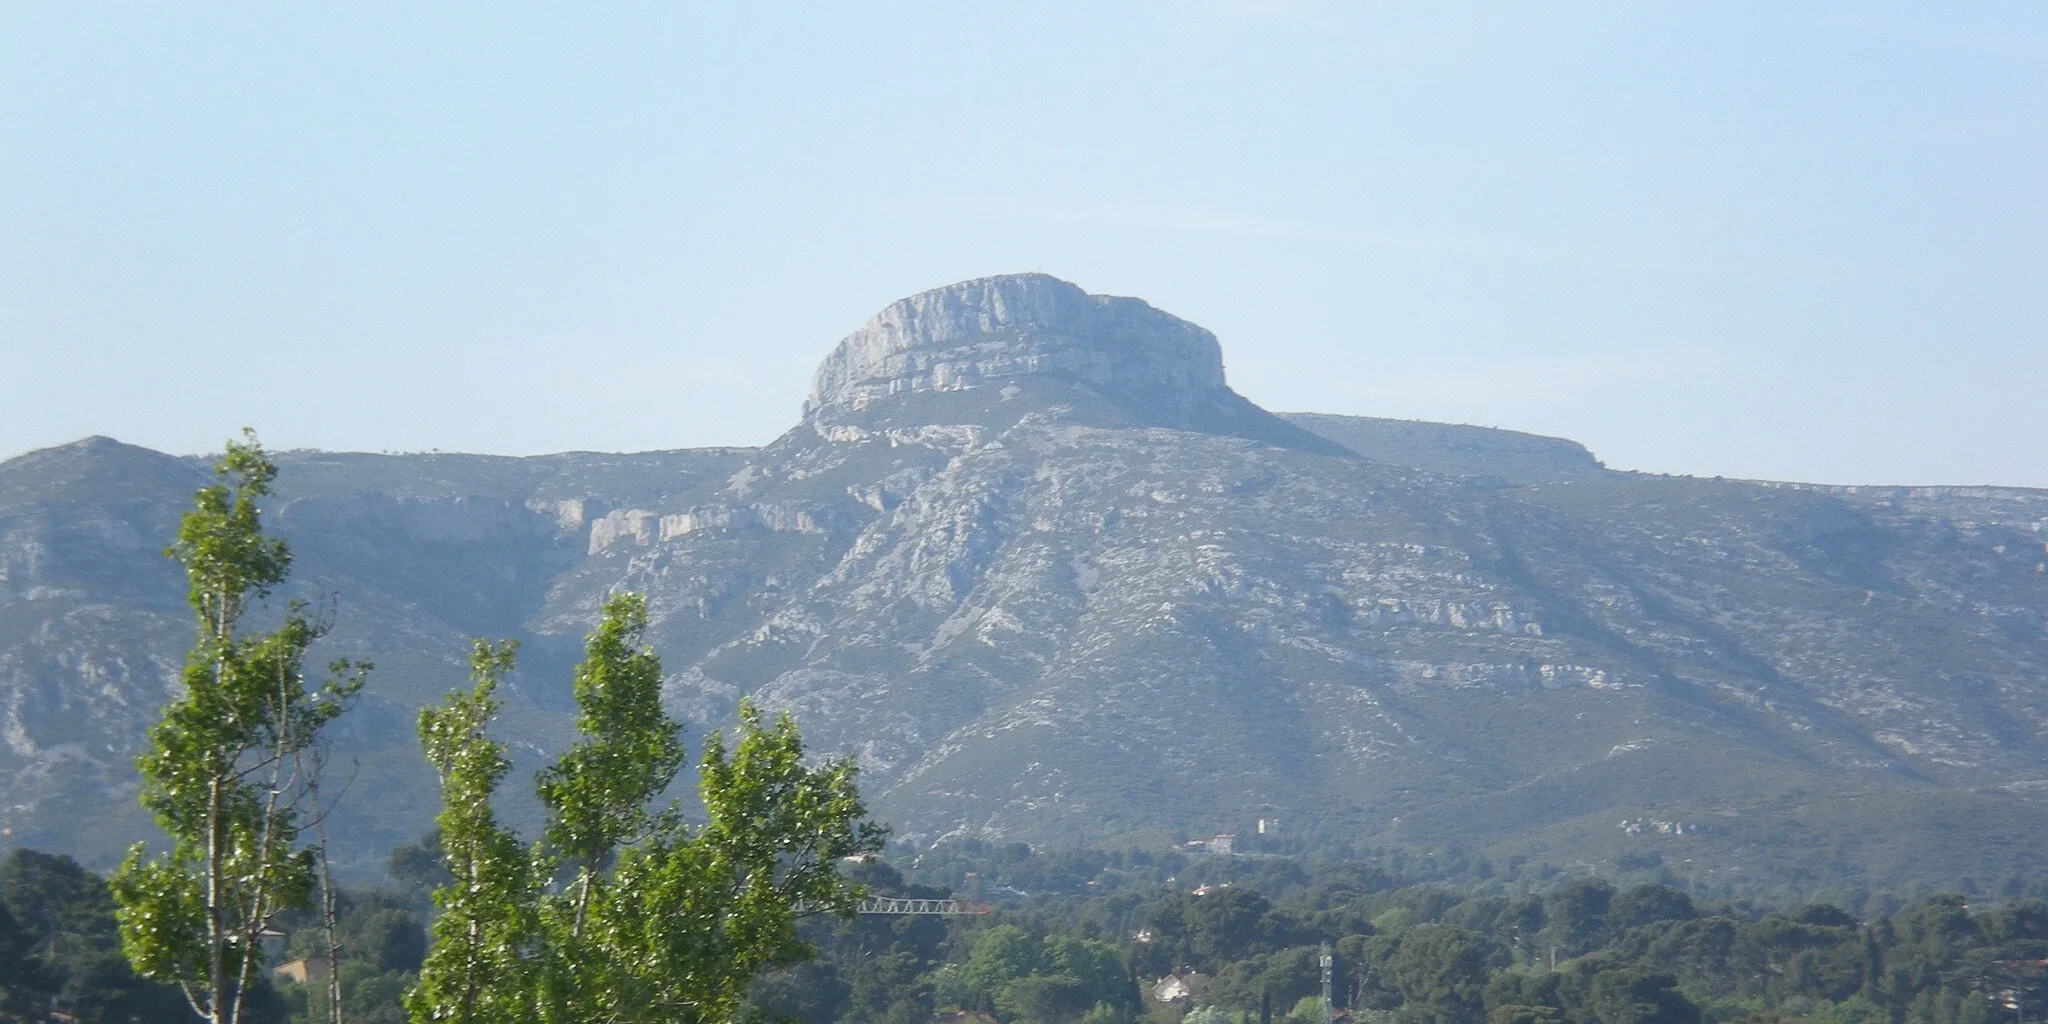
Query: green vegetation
point(381, 938)
point(1580, 951)
point(1576, 950)
point(231, 769)
point(59, 950)
point(622, 913)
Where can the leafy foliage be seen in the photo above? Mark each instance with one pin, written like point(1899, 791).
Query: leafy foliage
point(231, 768)
point(380, 939)
point(623, 912)
point(60, 948)
point(1436, 954)
point(473, 970)
point(1440, 954)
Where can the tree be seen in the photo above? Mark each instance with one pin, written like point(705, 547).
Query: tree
point(1043, 998)
point(1094, 964)
point(472, 970)
point(230, 771)
point(1575, 916)
point(1440, 972)
point(596, 797)
point(418, 869)
point(1647, 904)
point(1001, 955)
point(1637, 995)
point(24, 981)
point(74, 949)
point(619, 912)
point(1228, 923)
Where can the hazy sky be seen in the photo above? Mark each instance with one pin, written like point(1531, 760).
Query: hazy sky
point(1795, 241)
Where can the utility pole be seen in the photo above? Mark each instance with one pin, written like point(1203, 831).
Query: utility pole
point(1329, 962)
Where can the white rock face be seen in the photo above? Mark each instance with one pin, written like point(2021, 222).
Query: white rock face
point(1037, 614)
point(998, 328)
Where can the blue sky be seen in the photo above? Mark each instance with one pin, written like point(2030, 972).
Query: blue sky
point(1782, 241)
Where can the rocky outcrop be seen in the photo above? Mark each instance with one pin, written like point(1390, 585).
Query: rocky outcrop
point(1036, 565)
point(1097, 360)
point(643, 527)
point(993, 330)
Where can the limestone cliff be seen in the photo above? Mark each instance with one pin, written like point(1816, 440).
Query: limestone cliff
point(1032, 560)
point(1102, 360)
point(987, 332)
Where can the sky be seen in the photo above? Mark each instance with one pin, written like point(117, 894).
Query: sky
point(1779, 241)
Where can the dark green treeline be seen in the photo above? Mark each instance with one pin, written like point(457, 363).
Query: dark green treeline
point(1086, 937)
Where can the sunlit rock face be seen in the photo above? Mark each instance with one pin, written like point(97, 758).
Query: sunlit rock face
point(996, 329)
point(953, 358)
point(1049, 579)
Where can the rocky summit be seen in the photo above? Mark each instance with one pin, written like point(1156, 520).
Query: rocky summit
point(1114, 361)
point(1031, 560)
point(985, 332)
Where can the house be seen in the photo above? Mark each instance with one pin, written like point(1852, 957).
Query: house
point(311, 970)
point(1179, 987)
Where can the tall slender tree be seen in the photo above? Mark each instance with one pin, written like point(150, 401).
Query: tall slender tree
point(623, 912)
point(225, 771)
point(474, 969)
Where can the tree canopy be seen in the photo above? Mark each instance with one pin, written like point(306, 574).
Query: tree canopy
point(623, 910)
point(230, 771)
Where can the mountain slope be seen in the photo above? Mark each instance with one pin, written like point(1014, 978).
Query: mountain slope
point(1033, 561)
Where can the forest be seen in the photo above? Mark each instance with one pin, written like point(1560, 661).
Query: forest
point(1088, 936)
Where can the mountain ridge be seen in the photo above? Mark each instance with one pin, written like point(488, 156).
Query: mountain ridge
point(1038, 606)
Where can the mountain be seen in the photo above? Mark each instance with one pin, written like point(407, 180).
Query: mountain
point(1029, 557)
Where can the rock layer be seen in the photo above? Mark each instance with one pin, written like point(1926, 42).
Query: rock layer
point(990, 331)
point(1035, 614)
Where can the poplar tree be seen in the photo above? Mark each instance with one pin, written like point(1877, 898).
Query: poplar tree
point(230, 771)
point(473, 969)
point(624, 911)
